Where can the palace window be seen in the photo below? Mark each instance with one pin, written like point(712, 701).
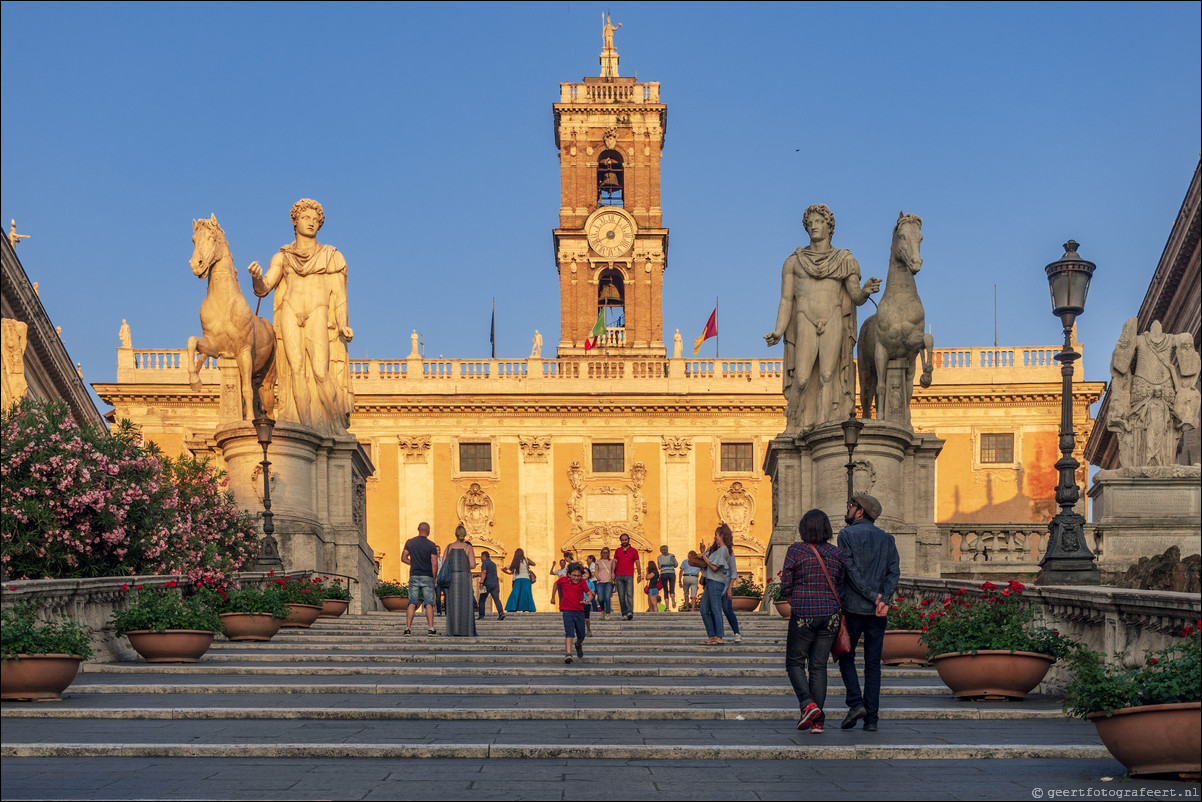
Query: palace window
point(609, 457)
point(997, 448)
point(737, 458)
point(475, 457)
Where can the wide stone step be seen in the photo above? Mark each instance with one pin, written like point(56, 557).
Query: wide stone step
point(549, 667)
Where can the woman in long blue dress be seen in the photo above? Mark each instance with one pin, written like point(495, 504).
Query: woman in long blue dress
point(521, 597)
point(461, 561)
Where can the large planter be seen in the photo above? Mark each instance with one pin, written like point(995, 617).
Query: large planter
point(745, 604)
point(902, 648)
point(992, 673)
point(395, 604)
point(1154, 739)
point(256, 627)
point(303, 615)
point(172, 646)
point(783, 608)
point(37, 676)
point(332, 608)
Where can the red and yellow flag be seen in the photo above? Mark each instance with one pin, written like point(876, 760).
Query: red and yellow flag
point(711, 330)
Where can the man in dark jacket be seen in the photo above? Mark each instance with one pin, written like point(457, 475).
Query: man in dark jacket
point(873, 569)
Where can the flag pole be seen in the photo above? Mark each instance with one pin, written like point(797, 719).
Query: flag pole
point(492, 329)
point(717, 328)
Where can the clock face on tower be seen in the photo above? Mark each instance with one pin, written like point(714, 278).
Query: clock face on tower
point(610, 233)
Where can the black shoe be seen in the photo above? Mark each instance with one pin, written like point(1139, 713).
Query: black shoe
point(501, 617)
point(407, 632)
point(580, 648)
point(567, 658)
point(853, 715)
point(869, 726)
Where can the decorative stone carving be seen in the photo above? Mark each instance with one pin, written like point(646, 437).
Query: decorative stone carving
point(229, 328)
point(535, 449)
point(863, 476)
point(415, 351)
point(415, 448)
point(676, 448)
point(311, 326)
point(677, 345)
point(1153, 398)
point(820, 290)
point(476, 510)
point(14, 335)
point(14, 239)
point(256, 481)
point(736, 509)
point(359, 506)
point(127, 340)
point(599, 515)
point(576, 499)
point(536, 347)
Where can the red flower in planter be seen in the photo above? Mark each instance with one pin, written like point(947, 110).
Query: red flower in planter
point(124, 588)
point(171, 583)
point(1153, 661)
point(988, 586)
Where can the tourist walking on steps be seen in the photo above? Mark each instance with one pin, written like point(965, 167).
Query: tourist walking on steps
point(690, 576)
point(490, 585)
point(627, 565)
point(811, 580)
point(557, 572)
point(603, 575)
point(420, 555)
point(653, 587)
point(728, 605)
point(461, 561)
point(521, 596)
point(873, 569)
point(714, 563)
point(667, 576)
point(574, 596)
point(590, 573)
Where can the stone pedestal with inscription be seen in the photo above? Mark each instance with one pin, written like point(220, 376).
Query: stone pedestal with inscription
point(892, 463)
point(318, 497)
point(1143, 511)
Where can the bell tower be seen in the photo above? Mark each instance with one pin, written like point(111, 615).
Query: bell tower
point(610, 247)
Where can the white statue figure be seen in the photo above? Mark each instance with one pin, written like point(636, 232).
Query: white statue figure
point(677, 345)
point(415, 347)
point(536, 349)
point(127, 340)
point(311, 325)
point(1154, 398)
point(820, 290)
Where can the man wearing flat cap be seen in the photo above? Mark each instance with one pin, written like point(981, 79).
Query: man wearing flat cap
point(873, 568)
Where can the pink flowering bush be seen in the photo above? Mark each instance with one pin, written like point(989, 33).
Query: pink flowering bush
point(80, 502)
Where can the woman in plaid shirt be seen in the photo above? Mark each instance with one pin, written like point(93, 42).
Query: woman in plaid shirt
point(815, 619)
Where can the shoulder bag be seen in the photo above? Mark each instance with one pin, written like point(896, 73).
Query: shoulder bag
point(842, 644)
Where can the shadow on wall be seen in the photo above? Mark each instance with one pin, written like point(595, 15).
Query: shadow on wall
point(1004, 499)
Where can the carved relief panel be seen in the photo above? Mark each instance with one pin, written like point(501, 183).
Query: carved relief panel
point(599, 513)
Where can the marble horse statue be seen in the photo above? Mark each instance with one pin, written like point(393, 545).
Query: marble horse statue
point(896, 330)
point(229, 328)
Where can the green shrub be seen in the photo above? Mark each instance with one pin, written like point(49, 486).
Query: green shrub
point(22, 633)
point(161, 609)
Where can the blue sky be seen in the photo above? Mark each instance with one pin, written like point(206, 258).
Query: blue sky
point(426, 132)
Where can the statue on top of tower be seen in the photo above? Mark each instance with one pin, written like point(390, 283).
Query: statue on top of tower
point(609, 56)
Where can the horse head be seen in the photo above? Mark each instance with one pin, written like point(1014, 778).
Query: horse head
point(210, 246)
point(907, 241)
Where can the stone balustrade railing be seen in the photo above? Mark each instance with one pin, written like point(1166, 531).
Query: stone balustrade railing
point(1118, 622)
point(986, 549)
point(609, 93)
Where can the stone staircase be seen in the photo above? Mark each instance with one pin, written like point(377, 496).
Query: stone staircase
point(355, 688)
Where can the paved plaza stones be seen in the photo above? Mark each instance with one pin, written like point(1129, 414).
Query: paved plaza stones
point(351, 710)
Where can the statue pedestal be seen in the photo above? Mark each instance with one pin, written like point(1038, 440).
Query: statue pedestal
point(892, 463)
point(1144, 511)
point(318, 497)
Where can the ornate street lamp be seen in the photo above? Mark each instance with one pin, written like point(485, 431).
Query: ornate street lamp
point(1068, 560)
point(269, 549)
point(851, 436)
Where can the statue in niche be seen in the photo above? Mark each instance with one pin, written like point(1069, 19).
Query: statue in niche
point(311, 325)
point(820, 290)
point(1154, 398)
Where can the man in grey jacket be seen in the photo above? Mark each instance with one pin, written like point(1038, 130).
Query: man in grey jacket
point(873, 569)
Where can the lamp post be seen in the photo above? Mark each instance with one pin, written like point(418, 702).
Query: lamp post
point(269, 550)
point(1068, 560)
point(851, 436)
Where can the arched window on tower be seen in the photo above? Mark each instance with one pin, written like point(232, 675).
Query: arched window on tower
point(609, 179)
point(611, 302)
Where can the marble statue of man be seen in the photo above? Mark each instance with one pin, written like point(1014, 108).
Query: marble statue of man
point(309, 280)
point(820, 290)
point(1154, 398)
point(536, 344)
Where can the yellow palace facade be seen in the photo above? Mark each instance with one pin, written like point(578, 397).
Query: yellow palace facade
point(565, 453)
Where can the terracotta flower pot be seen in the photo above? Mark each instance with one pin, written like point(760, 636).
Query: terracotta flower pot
point(332, 608)
point(992, 673)
point(1154, 739)
point(902, 648)
point(783, 608)
point(172, 646)
point(395, 604)
point(37, 676)
point(249, 626)
point(745, 604)
point(303, 615)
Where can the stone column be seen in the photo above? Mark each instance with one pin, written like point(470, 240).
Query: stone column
point(346, 547)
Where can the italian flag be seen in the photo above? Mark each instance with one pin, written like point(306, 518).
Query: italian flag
point(594, 336)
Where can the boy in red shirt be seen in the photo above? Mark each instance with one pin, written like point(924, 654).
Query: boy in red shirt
point(573, 596)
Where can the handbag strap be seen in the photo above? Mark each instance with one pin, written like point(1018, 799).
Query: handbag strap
point(822, 565)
